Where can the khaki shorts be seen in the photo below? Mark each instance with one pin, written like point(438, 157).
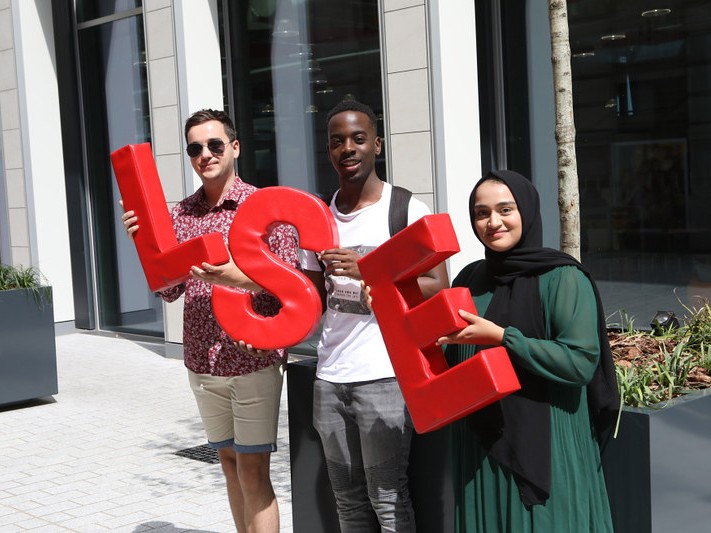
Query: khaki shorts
point(240, 411)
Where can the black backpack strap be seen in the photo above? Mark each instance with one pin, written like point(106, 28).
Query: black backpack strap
point(399, 203)
point(398, 210)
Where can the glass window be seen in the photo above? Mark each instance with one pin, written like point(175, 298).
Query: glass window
point(642, 93)
point(642, 99)
point(92, 9)
point(116, 113)
point(291, 62)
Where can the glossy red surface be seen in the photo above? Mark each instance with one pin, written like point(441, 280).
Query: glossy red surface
point(435, 393)
point(165, 262)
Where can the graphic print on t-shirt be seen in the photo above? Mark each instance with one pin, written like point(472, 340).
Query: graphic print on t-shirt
point(344, 294)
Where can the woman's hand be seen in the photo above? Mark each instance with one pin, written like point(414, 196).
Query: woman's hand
point(479, 331)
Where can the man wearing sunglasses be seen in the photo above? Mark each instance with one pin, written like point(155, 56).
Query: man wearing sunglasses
point(237, 388)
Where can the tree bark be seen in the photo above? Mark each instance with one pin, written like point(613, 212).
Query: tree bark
point(568, 192)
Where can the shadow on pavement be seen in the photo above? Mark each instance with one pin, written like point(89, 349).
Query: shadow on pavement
point(167, 527)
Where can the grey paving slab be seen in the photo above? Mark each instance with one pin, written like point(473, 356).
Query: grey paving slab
point(100, 455)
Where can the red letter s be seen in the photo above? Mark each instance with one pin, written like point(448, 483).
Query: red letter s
point(301, 305)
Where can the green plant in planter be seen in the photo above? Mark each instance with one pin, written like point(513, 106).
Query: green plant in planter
point(654, 463)
point(19, 278)
point(28, 361)
point(656, 366)
point(13, 278)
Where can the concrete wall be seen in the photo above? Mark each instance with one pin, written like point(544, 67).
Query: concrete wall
point(32, 148)
point(432, 119)
point(184, 75)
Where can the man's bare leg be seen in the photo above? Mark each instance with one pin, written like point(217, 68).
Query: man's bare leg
point(228, 461)
point(249, 490)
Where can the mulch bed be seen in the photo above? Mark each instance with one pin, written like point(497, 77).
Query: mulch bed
point(645, 350)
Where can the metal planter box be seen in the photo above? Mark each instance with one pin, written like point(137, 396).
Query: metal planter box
point(28, 355)
point(657, 470)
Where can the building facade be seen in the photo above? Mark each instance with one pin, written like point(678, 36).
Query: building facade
point(459, 87)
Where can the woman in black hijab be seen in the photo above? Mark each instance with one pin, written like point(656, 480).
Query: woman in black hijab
point(531, 461)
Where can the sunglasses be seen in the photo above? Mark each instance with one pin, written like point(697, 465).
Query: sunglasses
point(216, 146)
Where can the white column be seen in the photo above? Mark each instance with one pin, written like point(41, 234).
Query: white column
point(455, 93)
point(41, 139)
point(199, 70)
point(193, 49)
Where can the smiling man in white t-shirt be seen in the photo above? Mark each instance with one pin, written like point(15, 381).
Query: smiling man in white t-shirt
point(359, 410)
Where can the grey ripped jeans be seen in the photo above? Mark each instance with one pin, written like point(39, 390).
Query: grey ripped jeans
point(366, 430)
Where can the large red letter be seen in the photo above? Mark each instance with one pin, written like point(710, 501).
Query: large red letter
point(165, 262)
point(301, 304)
point(435, 394)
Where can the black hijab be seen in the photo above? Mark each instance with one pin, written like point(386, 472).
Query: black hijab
point(516, 430)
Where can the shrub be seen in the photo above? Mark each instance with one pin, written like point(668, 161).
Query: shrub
point(656, 366)
point(19, 278)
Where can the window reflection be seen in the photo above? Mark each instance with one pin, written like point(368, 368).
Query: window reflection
point(292, 61)
point(642, 90)
point(93, 9)
point(115, 104)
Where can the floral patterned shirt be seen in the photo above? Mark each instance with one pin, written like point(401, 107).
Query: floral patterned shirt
point(207, 348)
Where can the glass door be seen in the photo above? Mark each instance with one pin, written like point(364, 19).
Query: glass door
point(116, 112)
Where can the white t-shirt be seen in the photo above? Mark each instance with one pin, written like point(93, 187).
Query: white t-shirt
point(351, 348)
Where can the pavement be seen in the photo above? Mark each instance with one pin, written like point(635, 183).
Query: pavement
point(101, 454)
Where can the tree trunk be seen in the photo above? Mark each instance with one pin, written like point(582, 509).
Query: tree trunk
point(568, 195)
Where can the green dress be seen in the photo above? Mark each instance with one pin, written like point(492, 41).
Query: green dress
point(486, 495)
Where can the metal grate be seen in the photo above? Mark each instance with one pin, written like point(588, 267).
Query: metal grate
point(200, 453)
